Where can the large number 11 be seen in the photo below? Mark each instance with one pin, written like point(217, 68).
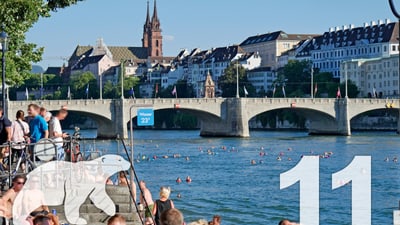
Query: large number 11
point(307, 173)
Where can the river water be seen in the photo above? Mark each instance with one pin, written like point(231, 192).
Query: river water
point(224, 181)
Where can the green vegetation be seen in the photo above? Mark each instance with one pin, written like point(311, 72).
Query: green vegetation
point(17, 18)
point(227, 82)
point(171, 119)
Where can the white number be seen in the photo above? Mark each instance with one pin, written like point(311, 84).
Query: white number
point(307, 173)
point(359, 173)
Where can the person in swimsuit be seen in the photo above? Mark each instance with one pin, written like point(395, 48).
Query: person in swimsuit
point(162, 204)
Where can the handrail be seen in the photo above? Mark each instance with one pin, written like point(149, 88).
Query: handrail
point(137, 181)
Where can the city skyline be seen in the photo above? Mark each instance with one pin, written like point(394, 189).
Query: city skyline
point(189, 24)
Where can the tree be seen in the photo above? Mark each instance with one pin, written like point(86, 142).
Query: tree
point(227, 82)
point(326, 84)
point(110, 90)
point(296, 77)
point(352, 89)
point(80, 82)
point(17, 18)
point(129, 83)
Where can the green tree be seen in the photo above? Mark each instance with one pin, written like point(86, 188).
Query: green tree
point(183, 90)
point(352, 89)
point(227, 82)
point(110, 91)
point(130, 82)
point(79, 83)
point(296, 76)
point(326, 84)
point(17, 18)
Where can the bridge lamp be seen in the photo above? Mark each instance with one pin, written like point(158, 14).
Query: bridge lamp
point(3, 41)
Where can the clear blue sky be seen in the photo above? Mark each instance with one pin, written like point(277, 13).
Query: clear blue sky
point(194, 23)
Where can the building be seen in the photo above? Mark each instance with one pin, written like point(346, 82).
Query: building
point(375, 77)
point(330, 50)
point(137, 60)
point(271, 45)
point(214, 61)
point(262, 79)
point(152, 38)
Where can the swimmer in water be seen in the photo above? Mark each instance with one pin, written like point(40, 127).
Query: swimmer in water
point(178, 180)
point(188, 179)
point(253, 162)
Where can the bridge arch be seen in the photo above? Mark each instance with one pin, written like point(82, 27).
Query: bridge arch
point(368, 105)
point(102, 115)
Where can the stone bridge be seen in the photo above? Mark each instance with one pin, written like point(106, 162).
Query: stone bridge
point(218, 116)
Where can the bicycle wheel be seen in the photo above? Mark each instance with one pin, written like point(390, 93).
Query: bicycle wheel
point(45, 150)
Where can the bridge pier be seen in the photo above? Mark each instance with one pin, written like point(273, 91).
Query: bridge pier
point(232, 123)
point(340, 125)
point(117, 126)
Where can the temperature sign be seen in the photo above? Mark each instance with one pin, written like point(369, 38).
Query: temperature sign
point(145, 117)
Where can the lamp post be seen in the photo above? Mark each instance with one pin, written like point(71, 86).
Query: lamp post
point(3, 39)
point(122, 78)
point(345, 78)
point(101, 86)
point(41, 85)
point(312, 81)
point(237, 79)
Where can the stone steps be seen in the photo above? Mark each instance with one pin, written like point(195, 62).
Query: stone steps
point(121, 197)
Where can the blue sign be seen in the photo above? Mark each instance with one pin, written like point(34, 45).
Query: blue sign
point(145, 117)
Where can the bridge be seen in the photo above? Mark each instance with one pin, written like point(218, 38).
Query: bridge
point(219, 116)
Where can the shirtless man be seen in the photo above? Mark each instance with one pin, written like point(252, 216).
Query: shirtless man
point(146, 200)
point(8, 198)
point(34, 194)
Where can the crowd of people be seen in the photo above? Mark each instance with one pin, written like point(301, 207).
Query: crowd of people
point(17, 136)
point(26, 130)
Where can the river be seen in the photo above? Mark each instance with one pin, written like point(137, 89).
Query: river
point(224, 181)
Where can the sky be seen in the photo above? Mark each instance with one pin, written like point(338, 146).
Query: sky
point(194, 23)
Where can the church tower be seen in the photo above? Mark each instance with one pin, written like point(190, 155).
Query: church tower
point(146, 29)
point(152, 38)
point(155, 34)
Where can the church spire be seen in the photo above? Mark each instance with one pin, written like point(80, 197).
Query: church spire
point(154, 19)
point(147, 23)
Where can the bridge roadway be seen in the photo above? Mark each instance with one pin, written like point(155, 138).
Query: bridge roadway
point(219, 116)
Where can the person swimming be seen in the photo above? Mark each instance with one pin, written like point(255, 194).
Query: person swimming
point(188, 179)
point(178, 180)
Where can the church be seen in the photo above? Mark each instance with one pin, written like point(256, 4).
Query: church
point(103, 60)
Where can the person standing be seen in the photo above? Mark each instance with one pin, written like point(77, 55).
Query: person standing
point(146, 200)
point(38, 126)
point(20, 132)
point(5, 128)
point(56, 132)
point(162, 204)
